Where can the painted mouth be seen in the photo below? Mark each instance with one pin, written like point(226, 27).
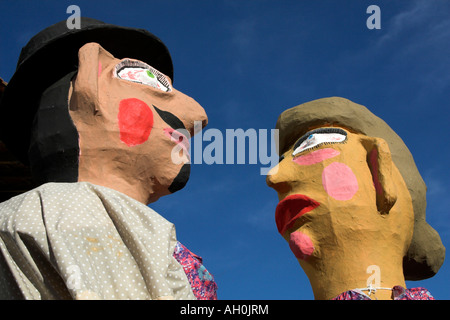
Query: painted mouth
point(291, 208)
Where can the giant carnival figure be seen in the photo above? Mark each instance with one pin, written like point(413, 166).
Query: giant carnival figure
point(94, 113)
point(352, 203)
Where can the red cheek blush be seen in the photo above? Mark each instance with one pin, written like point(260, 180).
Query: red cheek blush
point(135, 121)
point(339, 181)
point(301, 245)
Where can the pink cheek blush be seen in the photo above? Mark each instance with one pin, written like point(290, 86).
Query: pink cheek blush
point(301, 245)
point(316, 156)
point(135, 121)
point(99, 68)
point(339, 181)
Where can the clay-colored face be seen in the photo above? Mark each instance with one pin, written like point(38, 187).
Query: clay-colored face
point(129, 119)
point(340, 193)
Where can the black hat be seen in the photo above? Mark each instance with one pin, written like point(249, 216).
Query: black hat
point(52, 54)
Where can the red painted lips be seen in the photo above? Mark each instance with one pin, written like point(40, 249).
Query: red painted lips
point(291, 208)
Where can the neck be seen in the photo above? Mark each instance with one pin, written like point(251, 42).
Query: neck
point(141, 188)
point(348, 271)
point(132, 190)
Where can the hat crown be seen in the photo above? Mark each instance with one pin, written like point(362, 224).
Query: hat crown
point(52, 33)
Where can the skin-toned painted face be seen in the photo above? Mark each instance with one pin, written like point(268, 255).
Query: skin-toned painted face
point(130, 119)
point(336, 191)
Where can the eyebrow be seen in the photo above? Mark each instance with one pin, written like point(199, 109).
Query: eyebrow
point(319, 130)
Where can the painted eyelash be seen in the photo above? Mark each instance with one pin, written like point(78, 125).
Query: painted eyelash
point(161, 78)
point(320, 130)
point(127, 63)
point(323, 144)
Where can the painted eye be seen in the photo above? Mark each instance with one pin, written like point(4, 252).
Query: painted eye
point(319, 137)
point(140, 72)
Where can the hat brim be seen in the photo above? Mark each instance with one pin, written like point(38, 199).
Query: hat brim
point(53, 58)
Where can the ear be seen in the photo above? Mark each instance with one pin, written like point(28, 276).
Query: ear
point(91, 58)
point(380, 163)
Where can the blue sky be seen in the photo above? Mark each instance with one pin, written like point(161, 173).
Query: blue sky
point(245, 62)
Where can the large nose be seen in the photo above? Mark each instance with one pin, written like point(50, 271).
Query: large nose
point(278, 180)
point(199, 117)
point(193, 115)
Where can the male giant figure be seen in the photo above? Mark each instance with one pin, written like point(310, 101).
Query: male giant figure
point(352, 203)
point(94, 113)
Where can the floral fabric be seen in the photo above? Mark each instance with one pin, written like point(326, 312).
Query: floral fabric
point(202, 282)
